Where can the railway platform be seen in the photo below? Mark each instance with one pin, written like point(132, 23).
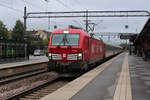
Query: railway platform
point(38, 63)
point(122, 78)
point(33, 60)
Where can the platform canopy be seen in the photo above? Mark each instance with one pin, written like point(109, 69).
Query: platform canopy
point(145, 33)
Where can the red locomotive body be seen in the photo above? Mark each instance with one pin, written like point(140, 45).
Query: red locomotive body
point(73, 50)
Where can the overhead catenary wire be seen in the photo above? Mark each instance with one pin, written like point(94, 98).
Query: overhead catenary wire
point(33, 5)
point(77, 22)
point(68, 7)
point(78, 2)
point(11, 8)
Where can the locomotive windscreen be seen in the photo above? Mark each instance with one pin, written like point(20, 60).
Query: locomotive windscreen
point(65, 39)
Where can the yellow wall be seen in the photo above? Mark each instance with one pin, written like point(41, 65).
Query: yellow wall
point(41, 32)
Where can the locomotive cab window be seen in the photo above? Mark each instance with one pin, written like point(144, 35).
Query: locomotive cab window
point(65, 39)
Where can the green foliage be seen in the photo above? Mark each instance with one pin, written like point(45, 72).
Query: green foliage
point(46, 0)
point(18, 31)
point(37, 43)
point(48, 36)
point(3, 31)
point(125, 46)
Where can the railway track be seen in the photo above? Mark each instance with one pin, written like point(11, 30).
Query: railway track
point(15, 89)
point(32, 86)
point(45, 90)
point(16, 71)
point(18, 82)
point(7, 80)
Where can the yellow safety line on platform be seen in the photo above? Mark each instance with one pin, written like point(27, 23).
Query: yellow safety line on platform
point(72, 88)
point(123, 88)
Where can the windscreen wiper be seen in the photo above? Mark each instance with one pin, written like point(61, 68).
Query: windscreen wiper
point(63, 41)
point(66, 40)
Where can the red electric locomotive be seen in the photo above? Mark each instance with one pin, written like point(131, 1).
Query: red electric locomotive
point(73, 50)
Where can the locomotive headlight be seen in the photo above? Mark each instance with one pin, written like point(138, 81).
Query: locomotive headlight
point(66, 32)
point(50, 55)
point(80, 56)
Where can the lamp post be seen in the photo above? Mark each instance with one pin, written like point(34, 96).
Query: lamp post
point(26, 38)
point(126, 27)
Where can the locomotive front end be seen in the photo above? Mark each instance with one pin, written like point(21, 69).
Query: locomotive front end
point(65, 53)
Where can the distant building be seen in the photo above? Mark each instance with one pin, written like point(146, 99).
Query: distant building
point(37, 33)
point(10, 31)
point(41, 33)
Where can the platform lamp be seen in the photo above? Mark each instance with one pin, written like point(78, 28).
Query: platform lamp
point(55, 26)
point(126, 27)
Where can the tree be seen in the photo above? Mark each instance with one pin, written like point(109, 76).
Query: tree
point(36, 42)
point(48, 36)
point(46, 0)
point(125, 46)
point(18, 31)
point(3, 31)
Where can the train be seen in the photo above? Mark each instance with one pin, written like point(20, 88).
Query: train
point(75, 51)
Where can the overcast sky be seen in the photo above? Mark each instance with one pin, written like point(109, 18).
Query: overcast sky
point(11, 10)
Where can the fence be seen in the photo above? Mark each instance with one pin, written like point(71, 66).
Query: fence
point(11, 50)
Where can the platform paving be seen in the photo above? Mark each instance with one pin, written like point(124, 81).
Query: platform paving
point(140, 78)
point(69, 90)
point(124, 78)
point(104, 85)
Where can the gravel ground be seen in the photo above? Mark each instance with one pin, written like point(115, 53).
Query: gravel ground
point(24, 84)
point(37, 95)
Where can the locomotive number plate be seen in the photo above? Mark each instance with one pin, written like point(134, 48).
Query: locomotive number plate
point(64, 55)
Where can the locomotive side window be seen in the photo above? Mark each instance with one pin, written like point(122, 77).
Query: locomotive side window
point(88, 42)
point(65, 39)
